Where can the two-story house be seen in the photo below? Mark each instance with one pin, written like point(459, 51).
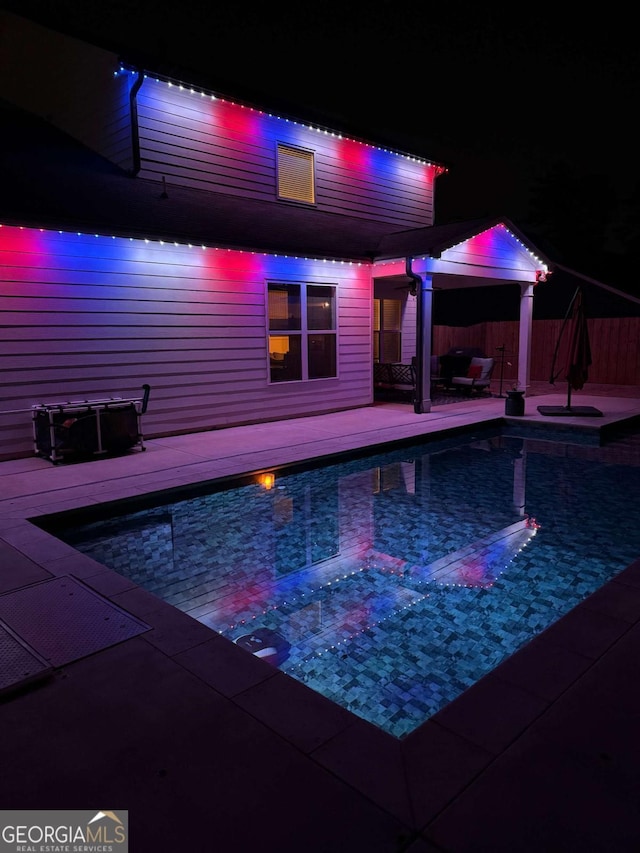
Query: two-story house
point(247, 266)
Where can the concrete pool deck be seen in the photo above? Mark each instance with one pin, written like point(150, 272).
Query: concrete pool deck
point(209, 748)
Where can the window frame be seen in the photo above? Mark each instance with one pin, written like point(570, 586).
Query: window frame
point(304, 333)
point(383, 334)
point(306, 154)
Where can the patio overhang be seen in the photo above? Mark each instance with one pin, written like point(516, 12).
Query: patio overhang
point(463, 255)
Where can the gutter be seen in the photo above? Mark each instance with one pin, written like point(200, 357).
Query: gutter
point(418, 399)
point(133, 115)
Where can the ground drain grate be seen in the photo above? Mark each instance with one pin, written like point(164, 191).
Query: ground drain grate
point(63, 620)
point(19, 664)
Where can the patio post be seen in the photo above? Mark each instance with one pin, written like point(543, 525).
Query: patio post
point(424, 319)
point(524, 343)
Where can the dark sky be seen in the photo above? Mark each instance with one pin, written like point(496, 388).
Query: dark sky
point(495, 94)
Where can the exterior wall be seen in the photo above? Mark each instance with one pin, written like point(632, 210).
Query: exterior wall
point(73, 85)
point(90, 317)
point(409, 331)
point(195, 140)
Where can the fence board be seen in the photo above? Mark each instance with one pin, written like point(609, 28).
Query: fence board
point(615, 347)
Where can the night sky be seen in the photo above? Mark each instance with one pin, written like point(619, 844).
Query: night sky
point(499, 98)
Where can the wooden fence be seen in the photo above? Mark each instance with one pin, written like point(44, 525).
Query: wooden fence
point(615, 347)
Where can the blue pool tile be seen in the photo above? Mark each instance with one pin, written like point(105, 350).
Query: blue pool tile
point(396, 581)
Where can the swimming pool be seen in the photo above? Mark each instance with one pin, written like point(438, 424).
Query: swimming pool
point(391, 582)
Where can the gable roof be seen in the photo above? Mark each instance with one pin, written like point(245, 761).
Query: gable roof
point(437, 239)
point(51, 180)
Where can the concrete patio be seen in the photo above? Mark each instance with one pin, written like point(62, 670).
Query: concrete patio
point(209, 748)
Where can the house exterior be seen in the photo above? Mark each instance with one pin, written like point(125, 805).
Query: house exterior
point(247, 266)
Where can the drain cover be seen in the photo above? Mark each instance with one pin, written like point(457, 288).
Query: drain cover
point(63, 620)
point(19, 664)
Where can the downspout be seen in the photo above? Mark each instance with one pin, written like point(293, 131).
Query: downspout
point(133, 115)
point(418, 399)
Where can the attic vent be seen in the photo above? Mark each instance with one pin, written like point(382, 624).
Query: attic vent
point(296, 174)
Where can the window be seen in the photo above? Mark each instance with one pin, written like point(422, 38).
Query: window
point(302, 332)
point(306, 529)
point(387, 325)
point(296, 178)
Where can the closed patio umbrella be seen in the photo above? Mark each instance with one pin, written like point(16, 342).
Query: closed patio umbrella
point(574, 335)
point(579, 353)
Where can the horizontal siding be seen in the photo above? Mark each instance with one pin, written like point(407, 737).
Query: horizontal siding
point(492, 250)
point(195, 142)
point(85, 318)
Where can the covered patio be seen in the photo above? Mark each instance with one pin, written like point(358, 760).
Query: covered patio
point(461, 256)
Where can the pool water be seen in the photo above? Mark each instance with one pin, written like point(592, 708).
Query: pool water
point(390, 583)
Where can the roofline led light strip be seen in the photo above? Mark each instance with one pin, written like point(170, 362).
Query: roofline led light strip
point(203, 93)
point(178, 245)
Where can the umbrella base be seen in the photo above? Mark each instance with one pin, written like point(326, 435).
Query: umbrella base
point(571, 411)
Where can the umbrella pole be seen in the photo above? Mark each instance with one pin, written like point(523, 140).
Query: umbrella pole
point(569, 394)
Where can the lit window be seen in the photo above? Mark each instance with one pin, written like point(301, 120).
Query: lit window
point(296, 179)
point(302, 332)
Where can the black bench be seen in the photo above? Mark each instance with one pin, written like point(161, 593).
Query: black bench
point(394, 377)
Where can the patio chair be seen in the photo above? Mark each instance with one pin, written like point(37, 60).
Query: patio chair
point(478, 377)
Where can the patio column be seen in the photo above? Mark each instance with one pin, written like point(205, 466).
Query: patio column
point(526, 328)
point(519, 479)
point(424, 320)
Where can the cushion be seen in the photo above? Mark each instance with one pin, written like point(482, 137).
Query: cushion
point(474, 371)
point(486, 364)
